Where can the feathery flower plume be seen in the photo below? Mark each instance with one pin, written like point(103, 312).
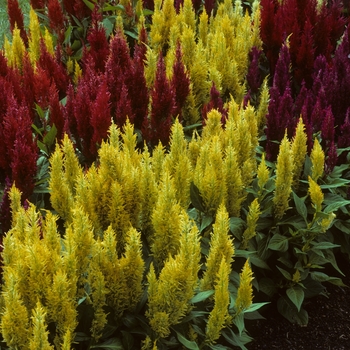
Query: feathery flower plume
point(284, 178)
point(252, 218)
point(316, 194)
point(219, 317)
point(317, 158)
point(299, 150)
point(15, 16)
point(245, 290)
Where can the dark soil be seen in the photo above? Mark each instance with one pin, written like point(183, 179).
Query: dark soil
point(328, 327)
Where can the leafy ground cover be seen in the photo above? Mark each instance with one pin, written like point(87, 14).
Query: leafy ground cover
point(249, 103)
point(329, 322)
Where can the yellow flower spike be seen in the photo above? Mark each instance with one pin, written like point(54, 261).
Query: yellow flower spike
point(317, 159)
point(15, 58)
point(8, 52)
point(179, 165)
point(61, 305)
point(213, 126)
point(133, 266)
point(70, 66)
point(98, 295)
point(151, 66)
point(77, 72)
point(198, 71)
point(188, 43)
point(15, 200)
point(245, 290)
point(49, 42)
point(177, 280)
point(256, 22)
point(67, 341)
point(61, 196)
point(262, 173)
point(72, 167)
point(166, 232)
point(14, 317)
point(316, 194)
point(327, 222)
point(219, 316)
point(164, 17)
point(34, 37)
point(299, 150)
point(39, 339)
point(263, 106)
point(189, 16)
point(296, 277)
point(158, 157)
point(234, 184)
point(284, 178)
point(148, 193)
point(221, 246)
point(203, 27)
point(252, 218)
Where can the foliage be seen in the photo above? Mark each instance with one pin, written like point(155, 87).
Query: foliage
point(150, 151)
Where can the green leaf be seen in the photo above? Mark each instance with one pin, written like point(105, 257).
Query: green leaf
point(335, 206)
point(236, 339)
point(300, 206)
point(267, 286)
point(109, 7)
point(147, 12)
point(50, 137)
point(296, 295)
point(239, 322)
point(285, 273)
point(324, 245)
point(237, 225)
point(37, 130)
point(287, 309)
point(206, 221)
point(189, 344)
point(255, 306)
point(201, 296)
point(42, 147)
point(89, 4)
point(110, 344)
point(336, 183)
point(196, 198)
point(108, 26)
point(131, 34)
point(278, 242)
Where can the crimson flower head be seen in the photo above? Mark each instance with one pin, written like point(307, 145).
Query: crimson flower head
point(56, 18)
point(16, 18)
point(254, 75)
point(157, 127)
point(97, 39)
point(332, 158)
point(180, 82)
point(214, 103)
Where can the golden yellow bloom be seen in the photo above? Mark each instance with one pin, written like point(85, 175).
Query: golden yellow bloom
point(296, 276)
point(177, 282)
point(14, 318)
point(151, 66)
point(34, 37)
point(284, 178)
point(39, 339)
point(263, 173)
point(316, 194)
point(203, 27)
point(263, 105)
point(327, 222)
point(49, 43)
point(299, 150)
point(98, 294)
point(245, 290)
point(166, 236)
point(221, 246)
point(77, 72)
point(219, 315)
point(317, 159)
point(15, 52)
point(252, 218)
point(234, 184)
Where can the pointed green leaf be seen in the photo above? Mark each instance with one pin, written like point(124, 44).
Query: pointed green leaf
point(300, 206)
point(278, 242)
point(189, 344)
point(201, 296)
point(296, 295)
point(110, 344)
point(196, 198)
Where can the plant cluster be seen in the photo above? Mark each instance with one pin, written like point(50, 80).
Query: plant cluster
point(164, 163)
